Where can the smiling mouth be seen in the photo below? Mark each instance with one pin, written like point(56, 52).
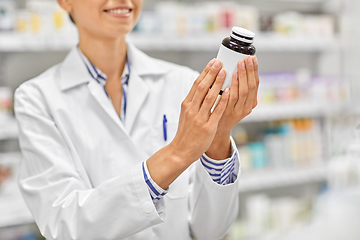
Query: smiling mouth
point(119, 11)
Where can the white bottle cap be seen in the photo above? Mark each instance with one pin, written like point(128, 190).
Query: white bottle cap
point(242, 34)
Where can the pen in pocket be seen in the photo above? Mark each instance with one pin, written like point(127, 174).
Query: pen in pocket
point(164, 128)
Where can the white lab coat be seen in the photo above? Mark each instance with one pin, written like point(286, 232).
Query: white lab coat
point(81, 176)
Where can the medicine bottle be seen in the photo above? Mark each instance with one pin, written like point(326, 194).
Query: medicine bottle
point(234, 49)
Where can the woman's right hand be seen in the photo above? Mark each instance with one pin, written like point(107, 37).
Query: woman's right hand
point(197, 124)
point(197, 127)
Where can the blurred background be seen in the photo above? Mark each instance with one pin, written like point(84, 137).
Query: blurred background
point(300, 148)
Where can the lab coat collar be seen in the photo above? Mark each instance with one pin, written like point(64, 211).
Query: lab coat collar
point(143, 64)
point(73, 71)
point(140, 65)
point(137, 93)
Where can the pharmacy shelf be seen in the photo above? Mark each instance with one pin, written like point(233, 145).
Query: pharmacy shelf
point(12, 206)
point(16, 42)
point(274, 178)
point(263, 43)
point(300, 1)
point(272, 112)
point(8, 128)
point(295, 1)
point(283, 111)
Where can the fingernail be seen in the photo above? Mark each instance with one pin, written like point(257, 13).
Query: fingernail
point(211, 63)
point(217, 65)
point(249, 61)
point(221, 73)
point(226, 92)
point(242, 64)
point(235, 75)
point(255, 61)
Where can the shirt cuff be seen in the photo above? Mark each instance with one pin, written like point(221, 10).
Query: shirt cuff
point(156, 192)
point(224, 171)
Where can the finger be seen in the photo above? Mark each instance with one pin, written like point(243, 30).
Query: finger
point(256, 71)
point(204, 85)
point(234, 91)
point(220, 108)
point(248, 105)
point(242, 87)
point(212, 94)
point(190, 95)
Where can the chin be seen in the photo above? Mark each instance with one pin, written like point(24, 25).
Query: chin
point(113, 32)
point(119, 33)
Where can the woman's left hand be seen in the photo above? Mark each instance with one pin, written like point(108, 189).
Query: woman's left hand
point(242, 100)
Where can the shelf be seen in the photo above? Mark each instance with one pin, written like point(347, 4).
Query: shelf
point(263, 43)
point(16, 42)
point(8, 129)
point(283, 111)
point(274, 178)
point(300, 1)
point(294, 1)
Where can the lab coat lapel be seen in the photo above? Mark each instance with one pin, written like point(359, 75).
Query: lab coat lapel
point(141, 66)
point(97, 91)
point(137, 93)
point(73, 72)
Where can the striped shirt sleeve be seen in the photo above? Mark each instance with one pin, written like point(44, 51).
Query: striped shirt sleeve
point(156, 192)
point(222, 171)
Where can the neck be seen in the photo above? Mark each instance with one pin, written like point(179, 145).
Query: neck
point(107, 54)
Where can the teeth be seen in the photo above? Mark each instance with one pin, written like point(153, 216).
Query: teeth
point(119, 11)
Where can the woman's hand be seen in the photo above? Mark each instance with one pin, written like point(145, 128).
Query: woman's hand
point(197, 124)
point(243, 99)
point(197, 127)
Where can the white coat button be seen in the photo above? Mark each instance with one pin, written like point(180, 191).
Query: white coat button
point(148, 207)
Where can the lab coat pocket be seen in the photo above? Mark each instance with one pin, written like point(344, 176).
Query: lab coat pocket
point(158, 135)
point(180, 187)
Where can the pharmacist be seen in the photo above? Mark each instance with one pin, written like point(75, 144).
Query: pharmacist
point(118, 145)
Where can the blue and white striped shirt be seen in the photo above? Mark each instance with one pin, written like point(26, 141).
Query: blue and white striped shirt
point(222, 172)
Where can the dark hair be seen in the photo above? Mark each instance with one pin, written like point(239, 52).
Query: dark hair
point(71, 18)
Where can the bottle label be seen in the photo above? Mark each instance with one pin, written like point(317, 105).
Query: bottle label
point(229, 59)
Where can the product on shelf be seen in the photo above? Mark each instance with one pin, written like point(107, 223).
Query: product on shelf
point(44, 24)
point(5, 103)
point(301, 87)
point(184, 19)
point(12, 206)
point(264, 215)
point(7, 12)
point(21, 232)
point(43, 18)
point(179, 19)
point(293, 143)
point(288, 23)
point(344, 169)
point(296, 24)
point(5, 173)
point(258, 155)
